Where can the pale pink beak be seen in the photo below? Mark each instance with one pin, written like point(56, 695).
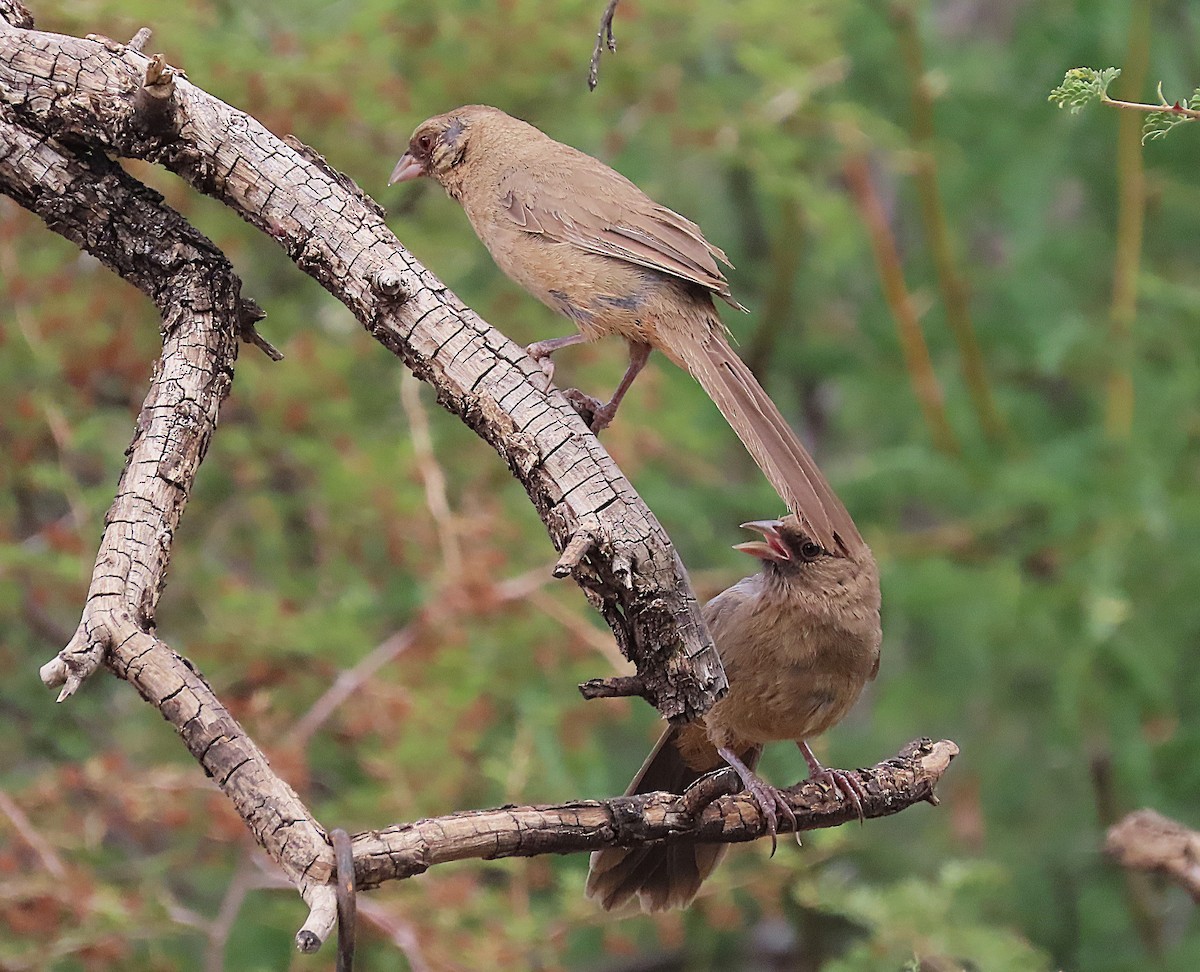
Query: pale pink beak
point(771, 547)
point(407, 168)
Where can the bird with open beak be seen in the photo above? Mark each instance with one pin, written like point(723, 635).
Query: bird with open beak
point(799, 640)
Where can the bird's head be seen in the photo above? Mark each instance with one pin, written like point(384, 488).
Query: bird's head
point(792, 556)
point(784, 544)
point(440, 145)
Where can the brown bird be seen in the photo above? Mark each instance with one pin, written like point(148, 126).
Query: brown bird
point(590, 244)
point(798, 641)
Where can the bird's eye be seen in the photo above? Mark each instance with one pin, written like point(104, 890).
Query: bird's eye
point(425, 143)
point(811, 551)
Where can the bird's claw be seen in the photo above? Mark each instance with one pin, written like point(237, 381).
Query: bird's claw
point(541, 355)
point(768, 799)
point(846, 785)
point(597, 416)
point(602, 418)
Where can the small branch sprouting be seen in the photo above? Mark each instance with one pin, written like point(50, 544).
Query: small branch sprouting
point(1082, 86)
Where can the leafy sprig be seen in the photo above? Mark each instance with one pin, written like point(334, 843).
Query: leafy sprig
point(1081, 86)
point(1160, 122)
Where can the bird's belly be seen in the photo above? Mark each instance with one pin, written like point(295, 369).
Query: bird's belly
point(785, 702)
point(601, 295)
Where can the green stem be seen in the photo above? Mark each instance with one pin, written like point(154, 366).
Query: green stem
point(1131, 206)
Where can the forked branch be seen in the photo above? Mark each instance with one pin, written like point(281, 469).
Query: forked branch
point(66, 104)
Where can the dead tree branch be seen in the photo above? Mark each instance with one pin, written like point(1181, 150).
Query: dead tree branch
point(66, 105)
point(87, 92)
point(199, 297)
point(1145, 840)
point(587, 825)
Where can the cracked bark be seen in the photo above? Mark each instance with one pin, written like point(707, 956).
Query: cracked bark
point(93, 92)
point(587, 825)
point(65, 104)
point(93, 203)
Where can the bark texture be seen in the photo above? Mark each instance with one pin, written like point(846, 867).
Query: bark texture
point(66, 104)
point(115, 99)
point(588, 825)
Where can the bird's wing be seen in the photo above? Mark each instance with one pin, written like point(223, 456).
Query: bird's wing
point(603, 212)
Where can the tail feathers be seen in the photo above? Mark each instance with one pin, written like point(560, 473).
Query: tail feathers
point(769, 439)
point(661, 876)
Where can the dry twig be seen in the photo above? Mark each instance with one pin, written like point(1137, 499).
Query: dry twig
point(1145, 840)
point(604, 38)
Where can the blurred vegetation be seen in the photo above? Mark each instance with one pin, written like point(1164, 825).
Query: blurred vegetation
point(1040, 568)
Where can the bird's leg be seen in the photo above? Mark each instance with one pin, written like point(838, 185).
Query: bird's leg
point(639, 354)
point(540, 351)
point(765, 795)
point(844, 783)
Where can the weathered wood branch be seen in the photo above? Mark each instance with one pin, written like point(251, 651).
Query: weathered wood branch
point(1145, 840)
point(97, 206)
point(588, 825)
point(84, 92)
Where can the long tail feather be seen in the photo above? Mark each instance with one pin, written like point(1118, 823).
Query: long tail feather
point(769, 439)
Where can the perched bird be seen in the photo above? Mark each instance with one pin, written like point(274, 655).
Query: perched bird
point(798, 640)
point(588, 243)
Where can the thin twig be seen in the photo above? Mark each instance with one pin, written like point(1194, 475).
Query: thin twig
point(577, 625)
point(604, 38)
point(1175, 109)
point(432, 476)
point(246, 878)
point(30, 834)
point(350, 681)
point(401, 933)
point(614, 687)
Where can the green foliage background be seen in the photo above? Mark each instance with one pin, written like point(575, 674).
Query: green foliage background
point(1039, 591)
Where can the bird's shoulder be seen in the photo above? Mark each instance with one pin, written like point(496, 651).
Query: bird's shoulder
point(728, 608)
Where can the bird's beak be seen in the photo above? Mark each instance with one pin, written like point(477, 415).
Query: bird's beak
point(771, 547)
point(407, 168)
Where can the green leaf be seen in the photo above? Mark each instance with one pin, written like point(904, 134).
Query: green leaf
point(1082, 86)
point(1160, 122)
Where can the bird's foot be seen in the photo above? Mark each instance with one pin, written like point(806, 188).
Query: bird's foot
point(595, 414)
point(602, 417)
point(769, 798)
point(844, 783)
point(540, 352)
point(847, 785)
point(772, 804)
